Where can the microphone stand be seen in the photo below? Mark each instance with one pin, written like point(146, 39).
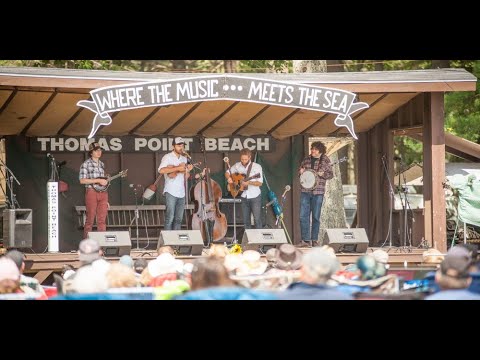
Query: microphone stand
point(136, 217)
point(408, 232)
point(392, 196)
point(403, 200)
point(234, 239)
point(9, 177)
point(4, 191)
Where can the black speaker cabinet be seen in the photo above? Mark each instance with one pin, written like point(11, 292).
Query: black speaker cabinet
point(17, 228)
point(113, 243)
point(347, 240)
point(184, 242)
point(263, 239)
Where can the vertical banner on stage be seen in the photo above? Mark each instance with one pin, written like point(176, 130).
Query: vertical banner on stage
point(52, 196)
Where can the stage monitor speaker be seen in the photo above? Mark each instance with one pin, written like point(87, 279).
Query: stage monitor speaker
point(263, 239)
point(347, 240)
point(113, 243)
point(184, 242)
point(17, 228)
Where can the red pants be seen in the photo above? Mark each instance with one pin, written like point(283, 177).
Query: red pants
point(97, 206)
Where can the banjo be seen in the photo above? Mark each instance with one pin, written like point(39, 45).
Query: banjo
point(101, 188)
point(309, 178)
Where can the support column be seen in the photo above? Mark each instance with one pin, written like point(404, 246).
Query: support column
point(434, 171)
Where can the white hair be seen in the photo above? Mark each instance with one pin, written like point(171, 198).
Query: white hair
point(89, 280)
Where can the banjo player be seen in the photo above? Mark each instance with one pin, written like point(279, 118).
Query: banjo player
point(314, 172)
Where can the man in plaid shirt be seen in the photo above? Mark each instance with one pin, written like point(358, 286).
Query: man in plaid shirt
point(96, 203)
point(311, 200)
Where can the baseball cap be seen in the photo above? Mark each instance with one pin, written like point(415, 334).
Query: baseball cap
point(178, 140)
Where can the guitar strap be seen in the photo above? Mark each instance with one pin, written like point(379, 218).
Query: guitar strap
point(249, 169)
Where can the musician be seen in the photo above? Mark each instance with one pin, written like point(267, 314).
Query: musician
point(311, 200)
point(96, 203)
point(251, 196)
point(174, 167)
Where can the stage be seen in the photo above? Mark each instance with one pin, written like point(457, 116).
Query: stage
point(42, 266)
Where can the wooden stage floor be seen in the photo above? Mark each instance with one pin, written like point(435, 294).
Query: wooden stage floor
point(42, 266)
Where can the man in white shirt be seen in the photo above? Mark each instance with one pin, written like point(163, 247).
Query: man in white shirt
point(251, 196)
point(174, 167)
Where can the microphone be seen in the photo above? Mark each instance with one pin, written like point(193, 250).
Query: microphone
point(397, 158)
point(50, 156)
point(226, 159)
point(187, 155)
point(287, 189)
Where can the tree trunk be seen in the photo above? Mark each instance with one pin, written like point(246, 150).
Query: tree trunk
point(230, 66)
point(335, 66)
point(378, 65)
point(351, 164)
point(309, 66)
point(179, 65)
point(440, 64)
point(333, 212)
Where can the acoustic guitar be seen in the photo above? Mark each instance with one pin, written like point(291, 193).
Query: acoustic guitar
point(103, 188)
point(236, 188)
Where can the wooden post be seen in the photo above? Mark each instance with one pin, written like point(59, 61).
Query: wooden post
point(434, 171)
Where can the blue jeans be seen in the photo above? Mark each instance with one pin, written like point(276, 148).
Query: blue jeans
point(255, 206)
point(310, 203)
point(174, 212)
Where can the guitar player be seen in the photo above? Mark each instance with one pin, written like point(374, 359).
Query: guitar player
point(96, 203)
point(251, 195)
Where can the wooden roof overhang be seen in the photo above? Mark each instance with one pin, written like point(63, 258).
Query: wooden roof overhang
point(43, 102)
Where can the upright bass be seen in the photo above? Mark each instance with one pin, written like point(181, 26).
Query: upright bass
point(207, 216)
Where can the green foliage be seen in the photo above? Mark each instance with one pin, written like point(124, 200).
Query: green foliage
point(462, 109)
point(266, 66)
point(410, 150)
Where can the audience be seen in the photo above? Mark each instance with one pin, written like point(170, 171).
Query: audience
point(317, 268)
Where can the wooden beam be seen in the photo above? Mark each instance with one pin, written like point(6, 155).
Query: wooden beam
point(42, 275)
point(283, 121)
point(183, 117)
point(252, 119)
point(148, 117)
point(69, 121)
point(408, 131)
point(320, 119)
point(226, 111)
point(8, 101)
point(434, 171)
point(39, 112)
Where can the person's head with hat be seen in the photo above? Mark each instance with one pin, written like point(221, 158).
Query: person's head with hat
point(453, 272)
point(95, 150)
point(178, 145)
point(288, 258)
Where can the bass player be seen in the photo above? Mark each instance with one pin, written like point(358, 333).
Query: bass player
point(174, 166)
point(96, 203)
point(251, 195)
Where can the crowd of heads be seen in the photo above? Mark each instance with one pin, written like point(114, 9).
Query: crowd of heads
point(281, 270)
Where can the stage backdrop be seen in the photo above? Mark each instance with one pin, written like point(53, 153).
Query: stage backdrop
point(29, 161)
